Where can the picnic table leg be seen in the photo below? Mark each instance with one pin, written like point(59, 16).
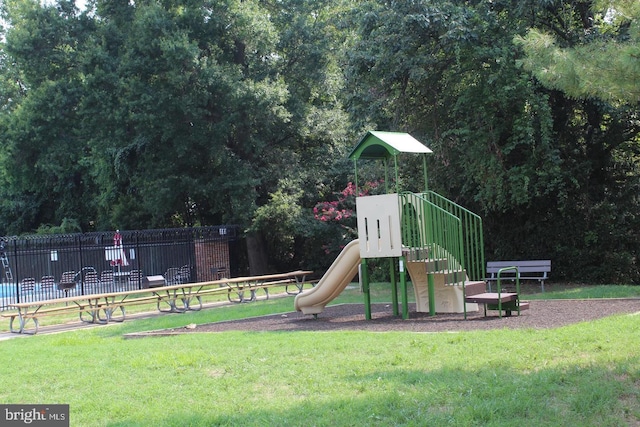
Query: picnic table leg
point(164, 299)
point(299, 285)
point(238, 291)
point(170, 303)
point(298, 290)
point(160, 302)
point(93, 312)
point(187, 303)
point(102, 308)
point(102, 319)
point(174, 303)
point(109, 307)
point(252, 295)
point(92, 316)
point(170, 300)
point(109, 311)
point(11, 325)
point(253, 291)
point(22, 323)
point(36, 325)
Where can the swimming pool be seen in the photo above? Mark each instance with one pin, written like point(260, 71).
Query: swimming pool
point(7, 290)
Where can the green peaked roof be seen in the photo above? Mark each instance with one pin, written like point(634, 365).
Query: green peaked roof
point(381, 145)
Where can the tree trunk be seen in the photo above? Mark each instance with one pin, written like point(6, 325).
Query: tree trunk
point(257, 255)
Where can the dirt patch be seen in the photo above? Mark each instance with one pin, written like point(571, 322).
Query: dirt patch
point(541, 315)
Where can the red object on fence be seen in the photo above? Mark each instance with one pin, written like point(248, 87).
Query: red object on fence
point(121, 257)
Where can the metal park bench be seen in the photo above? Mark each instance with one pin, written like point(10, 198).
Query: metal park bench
point(526, 270)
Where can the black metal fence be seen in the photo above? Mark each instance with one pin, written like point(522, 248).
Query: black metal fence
point(43, 267)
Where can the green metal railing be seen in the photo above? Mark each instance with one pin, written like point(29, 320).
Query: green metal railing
point(499, 286)
point(432, 234)
point(438, 230)
point(472, 235)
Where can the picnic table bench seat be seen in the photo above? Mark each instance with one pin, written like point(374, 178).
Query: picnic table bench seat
point(47, 308)
point(241, 287)
point(103, 307)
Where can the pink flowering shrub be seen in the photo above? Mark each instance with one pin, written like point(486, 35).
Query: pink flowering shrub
point(340, 213)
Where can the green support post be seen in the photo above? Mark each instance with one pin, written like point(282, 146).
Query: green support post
point(394, 287)
point(403, 287)
point(364, 276)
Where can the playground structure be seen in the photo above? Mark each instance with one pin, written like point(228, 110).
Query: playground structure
point(437, 242)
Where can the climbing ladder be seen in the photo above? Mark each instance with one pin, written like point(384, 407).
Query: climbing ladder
point(5, 264)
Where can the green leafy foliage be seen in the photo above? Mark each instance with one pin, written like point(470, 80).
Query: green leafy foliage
point(192, 112)
point(602, 63)
point(535, 163)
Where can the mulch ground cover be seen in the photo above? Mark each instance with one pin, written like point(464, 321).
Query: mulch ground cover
point(344, 317)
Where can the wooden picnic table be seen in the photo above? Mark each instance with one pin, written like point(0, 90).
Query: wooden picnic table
point(110, 306)
point(240, 286)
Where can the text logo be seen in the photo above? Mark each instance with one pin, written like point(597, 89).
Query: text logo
point(34, 415)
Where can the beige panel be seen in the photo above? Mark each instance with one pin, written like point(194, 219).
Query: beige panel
point(379, 226)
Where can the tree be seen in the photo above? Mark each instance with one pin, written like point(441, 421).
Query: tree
point(44, 174)
point(314, 142)
point(594, 63)
point(533, 162)
point(602, 64)
point(182, 112)
point(446, 74)
point(188, 98)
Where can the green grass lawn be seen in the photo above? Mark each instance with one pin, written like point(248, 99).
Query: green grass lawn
point(586, 374)
point(585, 292)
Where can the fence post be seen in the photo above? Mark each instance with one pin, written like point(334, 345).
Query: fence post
point(17, 270)
point(138, 262)
point(81, 264)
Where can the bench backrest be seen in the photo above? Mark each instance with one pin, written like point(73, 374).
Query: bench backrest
point(47, 282)
point(106, 276)
point(91, 278)
point(27, 284)
point(136, 277)
point(68, 277)
point(536, 266)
